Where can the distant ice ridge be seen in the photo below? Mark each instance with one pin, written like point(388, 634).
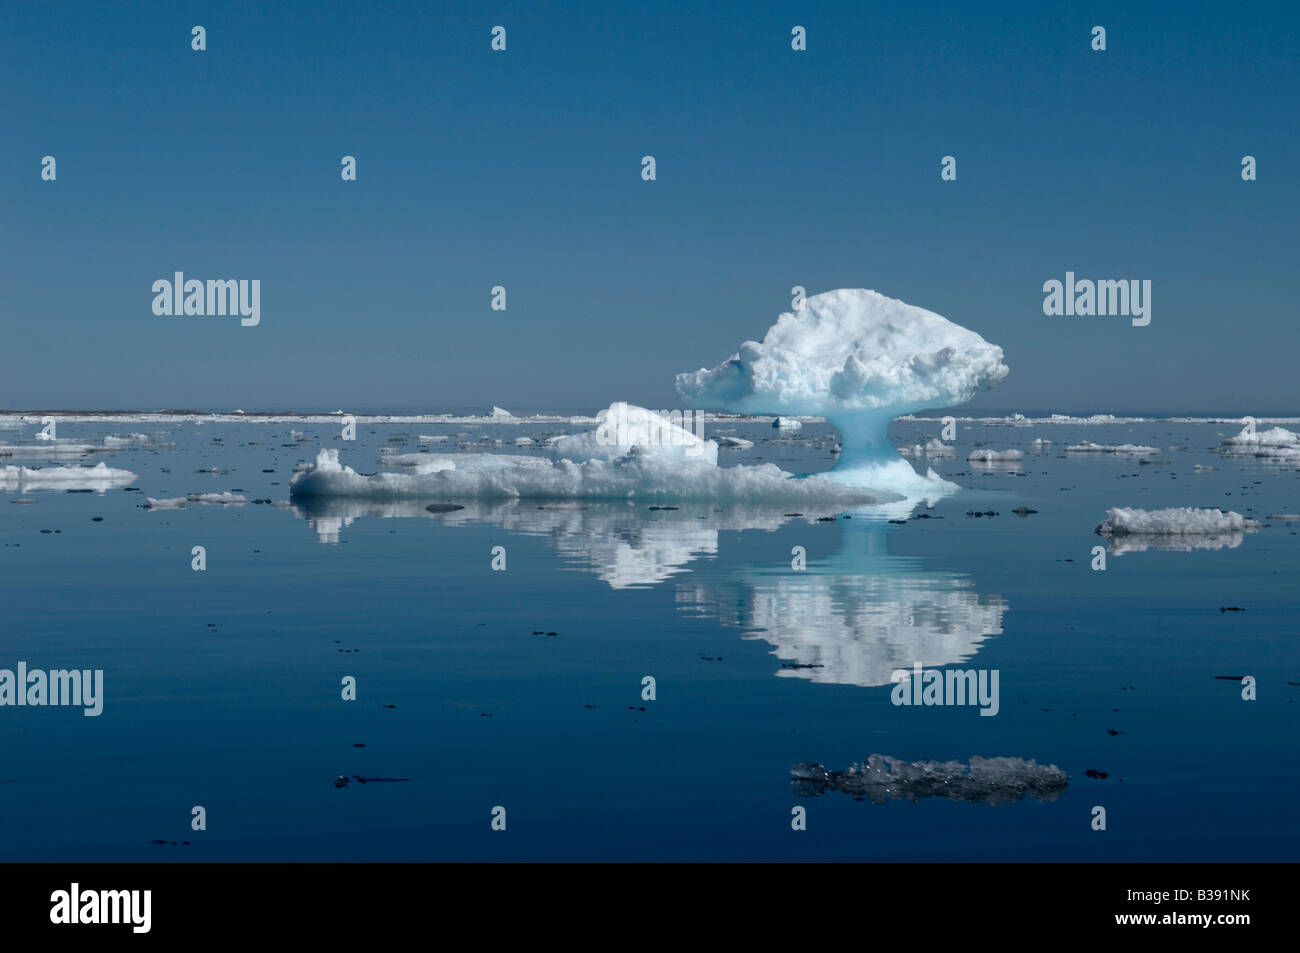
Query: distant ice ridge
point(883, 778)
point(587, 466)
point(1172, 522)
point(859, 359)
point(98, 477)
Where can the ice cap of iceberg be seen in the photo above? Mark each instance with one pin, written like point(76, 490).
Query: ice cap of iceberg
point(859, 359)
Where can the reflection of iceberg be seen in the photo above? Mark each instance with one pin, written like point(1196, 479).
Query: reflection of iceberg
point(677, 466)
point(853, 619)
point(881, 778)
point(98, 477)
point(623, 543)
point(859, 616)
point(858, 359)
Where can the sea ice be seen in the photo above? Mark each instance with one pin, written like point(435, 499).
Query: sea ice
point(995, 456)
point(1276, 437)
point(1173, 521)
point(589, 466)
point(1087, 446)
point(217, 498)
point(98, 477)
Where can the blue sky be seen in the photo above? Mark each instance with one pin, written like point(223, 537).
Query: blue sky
point(775, 168)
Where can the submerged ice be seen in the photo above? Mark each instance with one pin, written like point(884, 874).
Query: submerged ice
point(859, 359)
point(883, 778)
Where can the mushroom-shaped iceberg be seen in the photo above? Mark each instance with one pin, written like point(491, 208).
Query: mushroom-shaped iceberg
point(859, 359)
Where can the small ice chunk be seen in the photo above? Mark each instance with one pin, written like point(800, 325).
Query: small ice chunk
point(994, 456)
point(177, 503)
point(787, 423)
point(217, 498)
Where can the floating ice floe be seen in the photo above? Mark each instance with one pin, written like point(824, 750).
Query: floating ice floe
point(1175, 521)
point(1179, 529)
point(858, 359)
point(1040, 444)
point(602, 464)
point(882, 778)
point(433, 438)
point(934, 447)
point(224, 499)
point(1284, 517)
point(176, 503)
point(787, 423)
point(995, 456)
point(733, 443)
point(98, 477)
point(1087, 446)
point(1275, 437)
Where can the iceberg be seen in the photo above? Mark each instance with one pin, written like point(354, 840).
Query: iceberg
point(859, 359)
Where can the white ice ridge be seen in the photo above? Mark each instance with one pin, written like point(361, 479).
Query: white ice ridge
point(98, 477)
point(603, 464)
point(1174, 521)
point(858, 359)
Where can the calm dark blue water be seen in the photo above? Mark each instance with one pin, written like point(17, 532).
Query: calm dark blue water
point(222, 687)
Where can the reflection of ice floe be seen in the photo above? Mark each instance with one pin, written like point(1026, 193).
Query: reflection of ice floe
point(858, 359)
point(1178, 529)
point(98, 477)
point(50, 449)
point(594, 465)
point(882, 778)
point(1138, 543)
point(857, 617)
